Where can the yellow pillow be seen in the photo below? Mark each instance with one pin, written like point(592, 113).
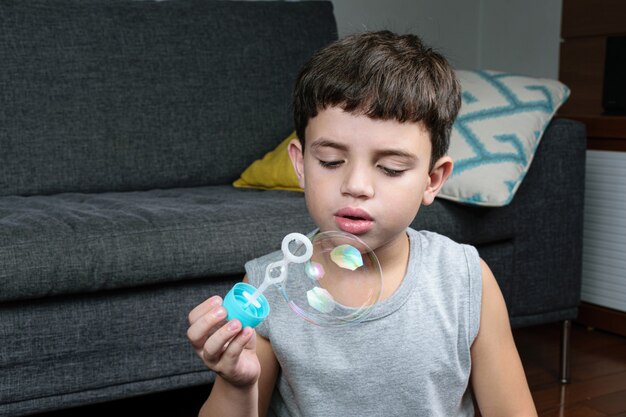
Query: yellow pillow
point(273, 172)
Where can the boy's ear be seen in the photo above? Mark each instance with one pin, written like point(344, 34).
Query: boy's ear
point(437, 177)
point(297, 159)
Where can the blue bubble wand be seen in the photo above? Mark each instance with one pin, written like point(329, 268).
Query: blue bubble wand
point(247, 303)
point(344, 282)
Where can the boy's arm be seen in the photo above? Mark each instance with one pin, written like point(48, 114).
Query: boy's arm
point(248, 401)
point(269, 373)
point(498, 378)
point(244, 362)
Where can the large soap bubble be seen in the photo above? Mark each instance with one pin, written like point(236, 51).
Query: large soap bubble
point(338, 285)
point(334, 279)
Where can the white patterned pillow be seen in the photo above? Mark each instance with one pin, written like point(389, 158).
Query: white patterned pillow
point(494, 138)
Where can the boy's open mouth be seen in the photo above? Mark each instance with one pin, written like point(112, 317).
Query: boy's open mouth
point(353, 220)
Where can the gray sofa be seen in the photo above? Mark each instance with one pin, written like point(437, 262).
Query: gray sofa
point(122, 127)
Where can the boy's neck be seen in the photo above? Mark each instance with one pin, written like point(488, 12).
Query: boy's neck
point(394, 259)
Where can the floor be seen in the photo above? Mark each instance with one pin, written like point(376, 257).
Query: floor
point(598, 372)
point(597, 387)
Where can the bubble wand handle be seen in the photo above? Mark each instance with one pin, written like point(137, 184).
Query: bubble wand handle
point(271, 276)
point(252, 309)
point(269, 279)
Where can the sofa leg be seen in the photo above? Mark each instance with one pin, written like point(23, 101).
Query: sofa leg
point(565, 351)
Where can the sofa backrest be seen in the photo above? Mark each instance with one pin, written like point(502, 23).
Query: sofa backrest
point(117, 95)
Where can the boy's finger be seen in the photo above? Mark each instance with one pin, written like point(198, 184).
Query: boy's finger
point(203, 308)
point(231, 355)
point(205, 326)
point(219, 341)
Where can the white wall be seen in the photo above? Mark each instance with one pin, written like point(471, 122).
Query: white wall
point(520, 36)
point(447, 25)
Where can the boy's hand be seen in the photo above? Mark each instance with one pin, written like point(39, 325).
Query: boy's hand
point(224, 347)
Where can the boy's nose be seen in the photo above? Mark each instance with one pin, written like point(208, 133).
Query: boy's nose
point(357, 183)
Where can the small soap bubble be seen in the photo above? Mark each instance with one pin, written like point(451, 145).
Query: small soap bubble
point(347, 256)
point(313, 270)
point(339, 285)
point(321, 300)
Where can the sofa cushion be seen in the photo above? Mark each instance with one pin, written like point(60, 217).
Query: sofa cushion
point(62, 352)
point(272, 172)
point(72, 242)
point(87, 242)
point(127, 95)
point(502, 118)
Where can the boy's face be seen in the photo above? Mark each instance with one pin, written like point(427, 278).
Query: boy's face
point(366, 177)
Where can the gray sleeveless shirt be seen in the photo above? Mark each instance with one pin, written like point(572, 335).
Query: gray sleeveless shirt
point(410, 357)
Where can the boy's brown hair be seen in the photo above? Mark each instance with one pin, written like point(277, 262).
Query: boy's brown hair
point(384, 76)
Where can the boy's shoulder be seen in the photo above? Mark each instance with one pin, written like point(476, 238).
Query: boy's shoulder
point(435, 247)
point(427, 236)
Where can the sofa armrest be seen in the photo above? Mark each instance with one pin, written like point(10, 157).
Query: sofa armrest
point(549, 228)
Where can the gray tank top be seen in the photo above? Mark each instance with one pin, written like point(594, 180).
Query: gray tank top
point(410, 357)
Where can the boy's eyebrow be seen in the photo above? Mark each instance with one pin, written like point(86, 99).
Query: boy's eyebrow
point(327, 143)
point(397, 152)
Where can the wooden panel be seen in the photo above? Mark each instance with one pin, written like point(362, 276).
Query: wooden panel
point(604, 133)
point(606, 144)
point(592, 315)
point(581, 68)
point(593, 18)
point(610, 127)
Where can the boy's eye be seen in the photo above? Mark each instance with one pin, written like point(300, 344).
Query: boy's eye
point(330, 164)
point(391, 172)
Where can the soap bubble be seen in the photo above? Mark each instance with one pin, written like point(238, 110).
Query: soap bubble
point(338, 285)
point(347, 256)
point(313, 270)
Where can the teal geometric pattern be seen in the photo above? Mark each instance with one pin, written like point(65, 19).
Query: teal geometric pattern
point(496, 133)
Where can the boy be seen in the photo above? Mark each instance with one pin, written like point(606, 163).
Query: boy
point(373, 115)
